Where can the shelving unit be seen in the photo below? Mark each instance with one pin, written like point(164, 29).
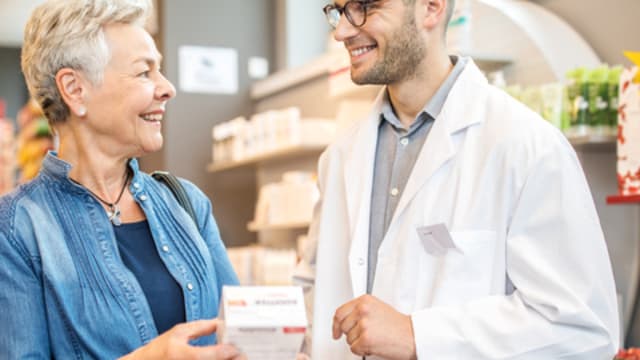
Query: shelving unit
point(584, 142)
point(321, 66)
point(489, 62)
point(621, 199)
point(274, 156)
point(593, 142)
point(252, 226)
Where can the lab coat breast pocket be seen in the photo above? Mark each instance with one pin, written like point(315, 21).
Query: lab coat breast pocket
point(463, 272)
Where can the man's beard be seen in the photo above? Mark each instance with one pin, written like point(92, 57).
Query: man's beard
point(401, 57)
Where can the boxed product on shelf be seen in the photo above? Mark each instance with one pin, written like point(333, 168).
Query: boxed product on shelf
point(241, 259)
point(290, 201)
point(593, 100)
point(628, 166)
point(260, 265)
point(227, 144)
point(267, 132)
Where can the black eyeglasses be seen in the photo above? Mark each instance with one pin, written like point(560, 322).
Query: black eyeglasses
point(354, 10)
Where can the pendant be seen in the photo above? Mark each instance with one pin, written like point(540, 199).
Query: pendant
point(114, 215)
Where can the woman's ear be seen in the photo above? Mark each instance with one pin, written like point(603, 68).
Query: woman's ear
point(71, 86)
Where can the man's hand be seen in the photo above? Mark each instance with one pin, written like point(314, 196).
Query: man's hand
point(174, 344)
point(375, 328)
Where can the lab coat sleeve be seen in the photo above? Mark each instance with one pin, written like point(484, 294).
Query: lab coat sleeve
point(563, 302)
point(304, 274)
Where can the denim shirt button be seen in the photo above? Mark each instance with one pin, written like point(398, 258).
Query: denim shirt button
point(165, 248)
point(136, 185)
point(143, 197)
point(189, 286)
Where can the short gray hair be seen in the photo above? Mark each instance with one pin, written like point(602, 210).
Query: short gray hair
point(70, 34)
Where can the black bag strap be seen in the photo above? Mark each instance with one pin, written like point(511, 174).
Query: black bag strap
point(178, 191)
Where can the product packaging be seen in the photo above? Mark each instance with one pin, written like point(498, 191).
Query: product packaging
point(265, 323)
point(577, 91)
point(598, 99)
point(628, 149)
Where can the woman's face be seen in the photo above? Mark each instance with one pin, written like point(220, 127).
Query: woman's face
point(126, 110)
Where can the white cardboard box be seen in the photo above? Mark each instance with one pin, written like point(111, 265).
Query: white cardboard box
point(264, 322)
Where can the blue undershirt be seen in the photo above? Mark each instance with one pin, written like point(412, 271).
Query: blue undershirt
point(140, 256)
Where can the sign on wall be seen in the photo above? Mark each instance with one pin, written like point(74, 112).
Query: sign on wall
point(209, 70)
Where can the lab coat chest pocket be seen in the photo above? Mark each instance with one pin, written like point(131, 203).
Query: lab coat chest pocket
point(463, 271)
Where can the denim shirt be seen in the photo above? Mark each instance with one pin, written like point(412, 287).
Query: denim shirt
point(64, 291)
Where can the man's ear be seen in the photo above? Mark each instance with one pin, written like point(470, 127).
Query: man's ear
point(431, 13)
point(71, 85)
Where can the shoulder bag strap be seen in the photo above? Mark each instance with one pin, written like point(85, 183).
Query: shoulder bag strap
point(178, 191)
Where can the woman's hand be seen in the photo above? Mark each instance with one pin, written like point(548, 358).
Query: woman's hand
point(174, 344)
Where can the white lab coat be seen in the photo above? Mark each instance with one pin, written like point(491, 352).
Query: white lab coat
point(529, 277)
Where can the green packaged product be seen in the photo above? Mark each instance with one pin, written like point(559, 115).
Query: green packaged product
point(578, 112)
point(613, 86)
point(552, 96)
point(598, 96)
point(566, 109)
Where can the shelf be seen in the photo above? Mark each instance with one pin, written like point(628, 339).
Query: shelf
point(252, 226)
point(288, 78)
point(489, 63)
point(593, 142)
point(583, 142)
point(621, 199)
point(267, 157)
point(320, 66)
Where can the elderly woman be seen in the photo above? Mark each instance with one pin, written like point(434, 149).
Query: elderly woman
point(96, 257)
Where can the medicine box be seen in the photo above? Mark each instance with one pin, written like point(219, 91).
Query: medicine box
point(263, 322)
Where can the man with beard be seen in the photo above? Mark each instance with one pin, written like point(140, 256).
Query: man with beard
point(454, 223)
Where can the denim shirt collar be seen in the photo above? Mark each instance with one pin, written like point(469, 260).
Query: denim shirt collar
point(59, 169)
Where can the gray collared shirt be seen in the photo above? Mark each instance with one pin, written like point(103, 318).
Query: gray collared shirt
point(396, 152)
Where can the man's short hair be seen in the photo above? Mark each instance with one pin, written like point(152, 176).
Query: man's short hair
point(451, 4)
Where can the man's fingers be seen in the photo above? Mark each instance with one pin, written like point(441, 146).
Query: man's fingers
point(355, 309)
point(349, 325)
point(341, 313)
point(360, 346)
point(353, 334)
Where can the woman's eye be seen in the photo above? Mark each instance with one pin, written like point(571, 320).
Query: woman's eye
point(144, 74)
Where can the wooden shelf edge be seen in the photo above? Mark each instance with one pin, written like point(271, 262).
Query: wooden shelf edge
point(489, 62)
point(319, 66)
point(591, 139)
point(254, 227)
point(596, 143)
point(287, 78)
point(623, 199)
point(278, 154)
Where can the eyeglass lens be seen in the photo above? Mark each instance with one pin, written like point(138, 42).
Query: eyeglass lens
point(353, 10)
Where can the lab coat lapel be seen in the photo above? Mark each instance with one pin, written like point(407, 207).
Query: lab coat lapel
point(462, 109)
point(358, 173)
